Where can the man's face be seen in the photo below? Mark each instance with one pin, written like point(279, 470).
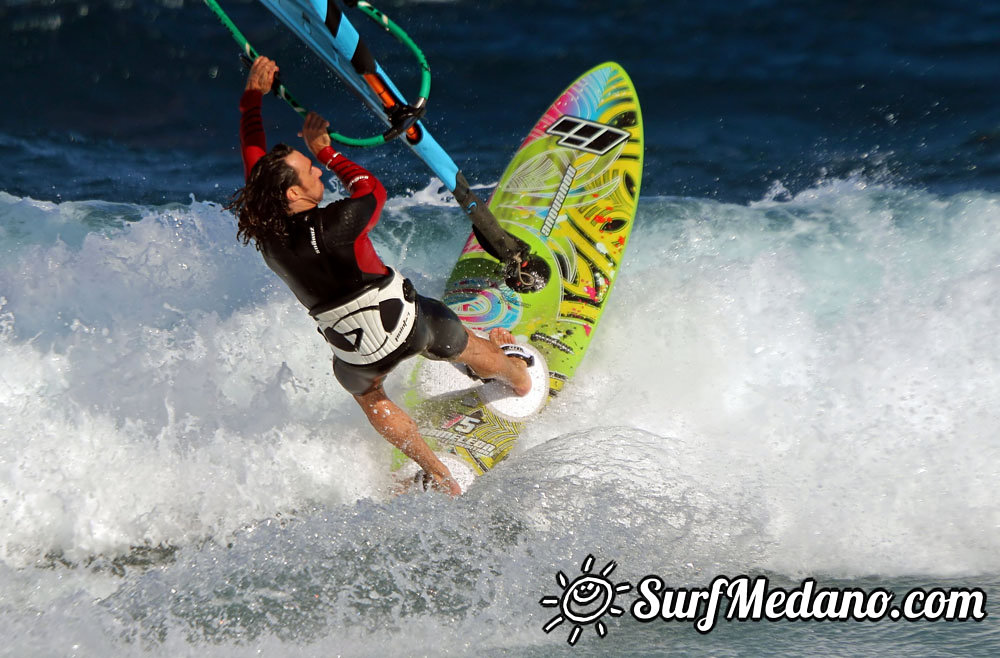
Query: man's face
point(310, 187)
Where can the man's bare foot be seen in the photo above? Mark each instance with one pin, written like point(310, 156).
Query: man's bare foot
point(517, 372)
point(500, 336)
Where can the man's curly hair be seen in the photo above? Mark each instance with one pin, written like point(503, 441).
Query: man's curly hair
point(262, 205)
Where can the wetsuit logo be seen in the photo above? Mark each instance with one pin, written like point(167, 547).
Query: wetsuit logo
point(350, 341)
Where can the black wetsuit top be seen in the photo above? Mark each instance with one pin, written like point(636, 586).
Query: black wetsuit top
point(319, 259)
point(328, 256)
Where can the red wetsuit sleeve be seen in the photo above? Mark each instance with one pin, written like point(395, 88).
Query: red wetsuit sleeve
point(359, 182)
point(253, 141)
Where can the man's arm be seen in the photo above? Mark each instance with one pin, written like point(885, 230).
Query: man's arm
point(357, 180)
point(253, 141)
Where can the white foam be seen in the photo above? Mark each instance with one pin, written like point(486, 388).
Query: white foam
point(832, 356)
point(806, 386)
point(827, 360)
point(157, 388)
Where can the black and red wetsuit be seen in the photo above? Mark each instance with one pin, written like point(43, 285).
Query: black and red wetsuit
point(328, 257)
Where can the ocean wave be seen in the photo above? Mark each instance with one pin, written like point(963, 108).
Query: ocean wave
point(837, 342)
point(803, 385)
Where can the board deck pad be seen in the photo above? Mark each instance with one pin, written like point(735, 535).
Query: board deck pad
point(445, 380)
point(570, 193)
point(501, 399)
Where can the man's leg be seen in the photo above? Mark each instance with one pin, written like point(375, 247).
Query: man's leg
point(447, 338)
point(399, 429)
point(488, 360)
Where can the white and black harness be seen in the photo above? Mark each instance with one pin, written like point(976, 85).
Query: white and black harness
point(373, 324)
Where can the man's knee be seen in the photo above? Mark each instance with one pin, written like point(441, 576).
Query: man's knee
point(372, 399)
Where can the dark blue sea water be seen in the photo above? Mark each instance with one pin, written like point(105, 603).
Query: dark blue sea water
point(798, 374)
point(133, 101)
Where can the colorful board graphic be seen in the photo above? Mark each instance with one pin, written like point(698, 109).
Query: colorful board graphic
point(570, 193)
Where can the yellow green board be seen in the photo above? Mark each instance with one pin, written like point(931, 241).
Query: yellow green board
point(570, 193)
